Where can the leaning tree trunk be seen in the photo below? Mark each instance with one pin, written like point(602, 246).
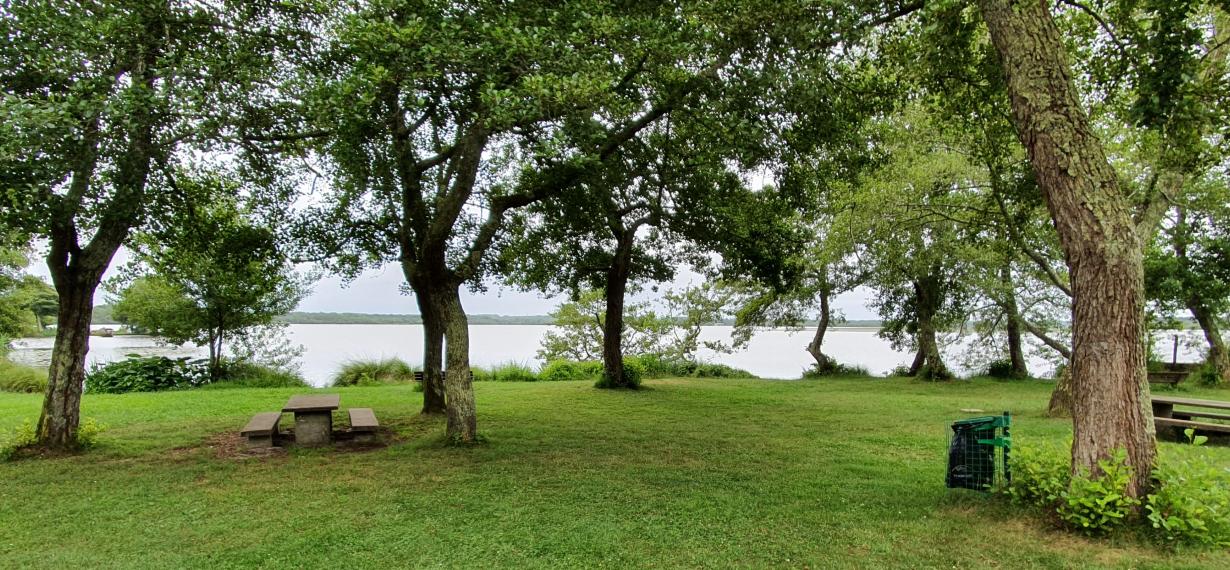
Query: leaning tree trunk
point(1218, 357)
point(433, 349)
point(458, 387)
point(613, 327)
point(1098, 234)
point(815, 347)
point(61, 414)
point(1016, 352)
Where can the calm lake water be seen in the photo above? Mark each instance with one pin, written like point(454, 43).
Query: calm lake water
point(771, 354)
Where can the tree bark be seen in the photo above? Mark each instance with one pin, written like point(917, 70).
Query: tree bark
point(61, 414)
point(1096, 228)
point(815, 347)
point(613, 327)
point(432, 310)
point(462, 412)
point(1016, 352)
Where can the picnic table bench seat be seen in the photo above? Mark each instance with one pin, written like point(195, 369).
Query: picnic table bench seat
point(363, 423)
point(1184, 424)
point(1168, 377)
point(1167, 417)
point(262, 429)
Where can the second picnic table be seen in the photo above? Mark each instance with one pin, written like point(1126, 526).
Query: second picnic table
point(313, 417)
point(1165, 416)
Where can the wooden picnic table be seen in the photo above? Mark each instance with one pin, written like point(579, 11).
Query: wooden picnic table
point(313, 417)
point(1166, 416)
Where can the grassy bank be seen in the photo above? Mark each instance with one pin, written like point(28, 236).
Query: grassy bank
point(821, 474)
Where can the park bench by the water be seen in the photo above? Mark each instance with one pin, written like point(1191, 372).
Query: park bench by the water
point(313, 422)
point(1166, 417)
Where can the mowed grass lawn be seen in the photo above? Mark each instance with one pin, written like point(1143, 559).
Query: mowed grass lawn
point(687, 473)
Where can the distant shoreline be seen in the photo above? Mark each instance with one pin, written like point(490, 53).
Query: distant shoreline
point(102, 316)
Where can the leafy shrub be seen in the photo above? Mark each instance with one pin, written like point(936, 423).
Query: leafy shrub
point(371, 372)
point(632, 376)
point(1207, 375)
point(246, 374)
point(513, 372)
point(657, 366)
point(564, 370)
point(147, 374)
point(1001, 368)
point(24, 436)
point(88, 431)
point(712, 370)
point(1094, 505)
point(21, 436)
point(835, 369)
point(20, 378)
point(1190, 503)
point(1040, 476)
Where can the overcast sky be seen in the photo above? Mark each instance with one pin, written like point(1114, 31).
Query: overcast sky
point(380, 292)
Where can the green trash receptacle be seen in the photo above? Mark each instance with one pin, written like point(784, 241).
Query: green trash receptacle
point(978, 450)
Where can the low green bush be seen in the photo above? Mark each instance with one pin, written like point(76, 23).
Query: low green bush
point(1001, 368)
point(1207, 375)
point(565, 370)
point(512, 372)
point(24, 436)
point(147, 374)
point(1096, 505)
point(11, 442)
point(835, 369)
point(373, 372)
point(245, 374)
point(1093, 505)
point(21, 378)
point(1190, 503)
point(632, 376)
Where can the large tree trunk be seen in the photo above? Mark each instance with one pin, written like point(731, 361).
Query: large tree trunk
point(613, 327)
point(458, 388)
point(1110, 393)
point(1218, 357)
point(432, 311)
point(927, 298)
point(1016, 351)
point(815, 347)
point(61, 414)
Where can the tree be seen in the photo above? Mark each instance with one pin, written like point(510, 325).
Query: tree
point(433, 124)
point(672, 332)
point(1099, 235)
point(99, 99)
point(1188, 265)
point(214, 275)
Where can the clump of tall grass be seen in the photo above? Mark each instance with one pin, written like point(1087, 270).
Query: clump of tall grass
point(16, 377)
point(506, 372)
point(370, 372)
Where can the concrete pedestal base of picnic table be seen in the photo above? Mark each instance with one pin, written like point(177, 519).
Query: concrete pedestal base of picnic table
point(313, 417)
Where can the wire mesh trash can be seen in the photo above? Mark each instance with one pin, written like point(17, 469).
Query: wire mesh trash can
point(978, 450)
